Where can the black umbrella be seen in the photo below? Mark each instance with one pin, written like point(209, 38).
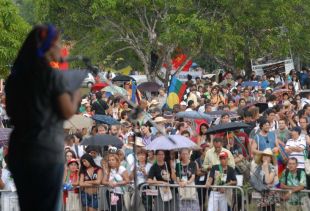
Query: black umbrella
point(149, 87)
point(218, 114)
point(227, 127)
point(123, 78)
point(261, 106)
point(105, 119)
point(102, 140)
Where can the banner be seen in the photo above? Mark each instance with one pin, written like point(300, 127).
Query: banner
point(182, 76)
point(276, 68)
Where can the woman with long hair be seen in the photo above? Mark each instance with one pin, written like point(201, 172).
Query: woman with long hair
point(185, 173)
point(203, 137)
point(162, 174)
point(116, 178)
point(90, 178)
point(216, 97)
point(142, 170)
point(296, 83)
point(36, 144)
point(69, 155)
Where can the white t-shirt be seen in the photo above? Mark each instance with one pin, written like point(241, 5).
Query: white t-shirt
point(9, 200)
point(300, 142)
point(116, 176)
point(79, 151)
point(140, 176)
point(201, 109)
point(98, 160)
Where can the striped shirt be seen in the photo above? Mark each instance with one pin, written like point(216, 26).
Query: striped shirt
point(300, 142)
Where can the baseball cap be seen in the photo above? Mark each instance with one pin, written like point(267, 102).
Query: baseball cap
point(297, 129)
point(73, 161)
point(223, 155)
point(183, 103)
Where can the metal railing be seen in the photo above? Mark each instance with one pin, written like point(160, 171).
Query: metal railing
point(277, 199)
point(191, 197)
point(171, 198)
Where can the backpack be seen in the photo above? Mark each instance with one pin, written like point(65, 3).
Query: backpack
point(286, 175)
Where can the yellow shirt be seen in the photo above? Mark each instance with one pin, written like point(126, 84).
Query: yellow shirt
point(212, 158)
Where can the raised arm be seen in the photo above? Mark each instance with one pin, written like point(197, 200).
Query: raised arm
point(68, 104)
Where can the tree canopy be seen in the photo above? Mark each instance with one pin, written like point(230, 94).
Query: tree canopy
point(148, 34)
point(13, 29)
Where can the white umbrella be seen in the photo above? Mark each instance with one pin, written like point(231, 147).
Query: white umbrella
point(78, 122)
point(173, 142)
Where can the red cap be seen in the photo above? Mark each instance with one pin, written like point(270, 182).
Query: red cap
point(223, 155)
point(73, 161)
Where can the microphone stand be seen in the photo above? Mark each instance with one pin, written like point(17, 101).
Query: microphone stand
point(134, 116)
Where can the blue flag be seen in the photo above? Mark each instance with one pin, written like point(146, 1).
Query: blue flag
point(133, 91)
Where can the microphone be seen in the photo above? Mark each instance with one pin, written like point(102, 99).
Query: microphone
point(84, 59)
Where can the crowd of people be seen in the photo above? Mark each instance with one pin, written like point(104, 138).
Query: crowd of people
point(272, 152)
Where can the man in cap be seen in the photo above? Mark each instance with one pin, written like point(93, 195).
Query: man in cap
point(220, 174)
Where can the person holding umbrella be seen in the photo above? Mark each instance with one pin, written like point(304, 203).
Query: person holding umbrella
point(212, 155)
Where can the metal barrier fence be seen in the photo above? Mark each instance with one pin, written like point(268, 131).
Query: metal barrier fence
point(277, 199)
point(191, 197)
point(96, 198)
point(150, 198)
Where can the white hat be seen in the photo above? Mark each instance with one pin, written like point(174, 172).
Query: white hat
point(183, 103)
point(267, 151)
point(139, 142)
point(160, 119)
point(153, 103)
point(84, 101)
point(214, 84)
point(271, 79)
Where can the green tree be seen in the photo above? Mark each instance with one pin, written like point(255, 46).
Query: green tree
point(145, 28)
point(12, 32)
point(225, 33)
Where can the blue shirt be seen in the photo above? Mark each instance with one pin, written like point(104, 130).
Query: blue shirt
point(264, 84)
point(264, 142)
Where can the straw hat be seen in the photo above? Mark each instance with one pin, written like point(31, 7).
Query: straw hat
point(160, 119)
point(258, 158)
point(153, 103)
point(139, 142)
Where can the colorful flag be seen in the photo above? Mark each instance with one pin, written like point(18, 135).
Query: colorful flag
point(179, 60)
point(176, 92)
point(135, 94)
point(281, 157)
